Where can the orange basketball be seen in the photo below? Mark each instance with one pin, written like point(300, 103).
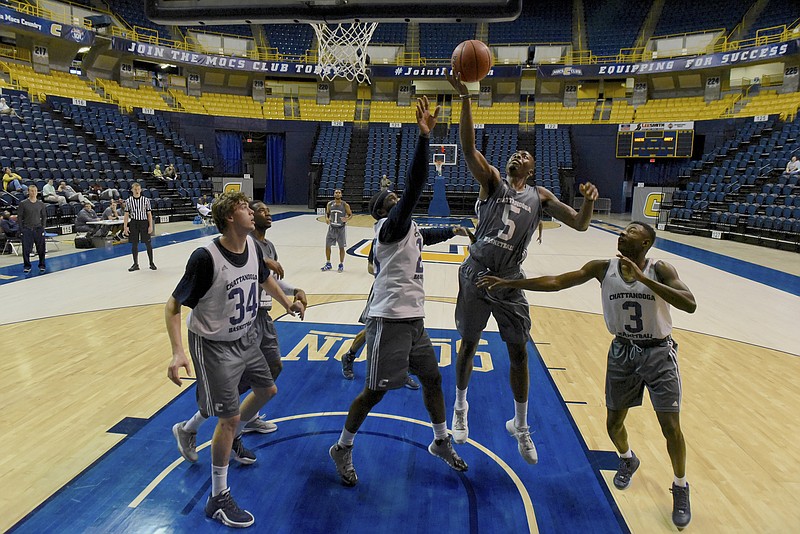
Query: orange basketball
point(472, 59)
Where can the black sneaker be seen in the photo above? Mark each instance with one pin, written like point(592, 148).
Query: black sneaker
point(681, 510)
point(443, 449)
point(343, 459)
point(225, 510)
point(347, 365)
point(411, 383)
point(153, 267)
point(242, 454)
point(134, 267)
point(42, 269)
point(627, 467)
point(26, 270)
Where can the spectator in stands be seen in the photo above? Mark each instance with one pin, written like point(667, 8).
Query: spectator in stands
point(72, 195)
point(170, 173)
point(114, 213)
point(203, 208)
point(157, 173)
point(32, 222)
point(9, 225)
point(108, 193)
point(386, 183)
point(5, 109)
point(82, 221)
point(49, 194)
point(793, 167)
point(13, 181)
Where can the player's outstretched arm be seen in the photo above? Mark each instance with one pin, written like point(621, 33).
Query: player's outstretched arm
point(486, 175)
point(172, 318)
point(594, 269)
point(271, 286)
point(579, 220)
point(671, 288)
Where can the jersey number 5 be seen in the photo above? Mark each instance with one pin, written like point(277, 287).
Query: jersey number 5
point(508, 222)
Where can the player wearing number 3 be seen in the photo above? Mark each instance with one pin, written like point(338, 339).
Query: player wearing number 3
point(222, 284)
point(637, 293)
point(508, 212)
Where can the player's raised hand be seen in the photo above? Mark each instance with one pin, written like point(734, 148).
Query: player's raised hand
point(489, 282)
point(589, 191)
point(179, 360)
point(274, 267)
point(300, 295)
point(298, 308)
point(455, 80)
point(632, 267)
point(425, 119)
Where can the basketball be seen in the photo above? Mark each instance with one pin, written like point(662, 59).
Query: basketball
point(472, 59)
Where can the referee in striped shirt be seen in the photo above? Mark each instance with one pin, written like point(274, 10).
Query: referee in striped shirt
point(138, 225)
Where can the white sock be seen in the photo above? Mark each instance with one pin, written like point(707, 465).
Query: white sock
point(680, 481)
point(193, 424)
point(628, 454)
point(440, 430)
point(521, 414)
point(219, 479)
point(346, 438)
point(461, 399)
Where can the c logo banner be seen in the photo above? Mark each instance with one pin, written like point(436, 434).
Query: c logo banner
point(233, 187)
point(652, 205)
point(55, 29)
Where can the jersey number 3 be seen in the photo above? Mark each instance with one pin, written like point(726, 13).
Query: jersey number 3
point(244, 307)
point(636, 316)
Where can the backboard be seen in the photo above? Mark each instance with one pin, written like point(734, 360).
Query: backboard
point(202, 12)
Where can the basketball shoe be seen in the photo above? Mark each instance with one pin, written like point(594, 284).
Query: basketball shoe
point(242, 454)
point(326, 267)
point(260, 425)
point(460, 426)
point(225, 510)
point(524, 442)
point(443, 448)
point(343, 459)
point(347, 365)
point(186, 442)
point(681, 510)
point(627, 467)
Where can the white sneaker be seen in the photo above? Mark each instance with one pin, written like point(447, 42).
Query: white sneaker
point(524, 442)
point(460, 427)
point(260, 425)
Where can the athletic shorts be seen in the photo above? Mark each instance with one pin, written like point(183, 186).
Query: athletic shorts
point(336, 235)
point(395, 348)
point(632, 367)
point(221, 365)
point(508, 305)
point(269, 348)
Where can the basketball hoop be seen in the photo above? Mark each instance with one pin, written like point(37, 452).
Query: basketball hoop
point(343, 50)
point(438, 163)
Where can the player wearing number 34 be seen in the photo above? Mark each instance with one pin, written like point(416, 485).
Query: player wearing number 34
point(637, 293)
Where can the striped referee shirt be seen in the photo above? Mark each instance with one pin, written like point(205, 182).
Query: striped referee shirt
point(137, 208)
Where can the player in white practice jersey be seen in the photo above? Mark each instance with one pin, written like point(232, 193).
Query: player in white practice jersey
point(637, 293)
point(509, 212)
point(396, 338)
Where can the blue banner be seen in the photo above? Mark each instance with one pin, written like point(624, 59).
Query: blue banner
point(719, 59)
point(279, 68)
point(82, 36)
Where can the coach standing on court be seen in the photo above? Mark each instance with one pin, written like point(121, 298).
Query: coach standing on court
point(32, 218)
point(138, 225)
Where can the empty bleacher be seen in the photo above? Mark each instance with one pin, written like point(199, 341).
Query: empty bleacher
point(614, 24)
point(538, 23)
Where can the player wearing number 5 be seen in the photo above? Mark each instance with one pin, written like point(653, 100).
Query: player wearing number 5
point(637, 293)
point(509, 211)
point(222, 284)
point(337, 213)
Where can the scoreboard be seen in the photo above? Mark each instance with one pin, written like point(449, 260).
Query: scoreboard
point(655, 140)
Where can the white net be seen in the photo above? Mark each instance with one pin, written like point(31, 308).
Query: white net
point(343, 50)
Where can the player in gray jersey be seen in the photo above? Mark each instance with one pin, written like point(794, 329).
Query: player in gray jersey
point(221, 286)
point(396, 338)
point(509, 212)
point(636, 294)
point(337, 213)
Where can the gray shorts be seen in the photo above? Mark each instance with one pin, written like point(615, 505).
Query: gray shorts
point(632, 367)
point(269, 348)
point(336, 235)
point(508, 305)
point(220, 367)
point(395, 348)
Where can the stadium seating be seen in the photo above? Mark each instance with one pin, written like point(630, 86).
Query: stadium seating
point(332, 148)
point(682, 16)
point(437, 41)
point(536, 24)
point(613, 24)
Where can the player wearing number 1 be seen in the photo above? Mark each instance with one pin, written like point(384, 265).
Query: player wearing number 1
point(637, 293)
point(337, 213)
point(509, 211)
point(221, 285)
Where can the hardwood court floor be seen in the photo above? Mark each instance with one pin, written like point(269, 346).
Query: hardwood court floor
point(85, 347)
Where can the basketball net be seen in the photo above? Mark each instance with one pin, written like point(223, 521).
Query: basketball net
point(438, 163)
point(343, 50)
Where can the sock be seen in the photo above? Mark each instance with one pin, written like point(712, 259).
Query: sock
point(193, 424)
point(628, 454)
point(521, 416)
point(346, 438)
point(219, 479)
point(680, 481)
point(440, 430)
point(461, 399)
